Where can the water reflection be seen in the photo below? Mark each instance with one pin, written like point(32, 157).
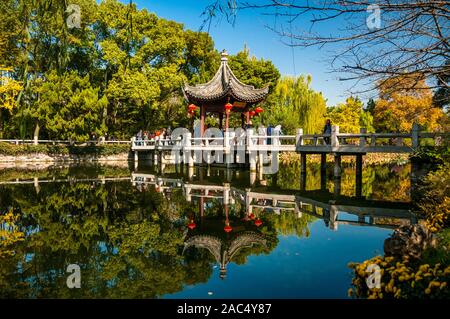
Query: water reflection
point(148, 234)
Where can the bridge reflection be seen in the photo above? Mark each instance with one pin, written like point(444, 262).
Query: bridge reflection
point(332, 208)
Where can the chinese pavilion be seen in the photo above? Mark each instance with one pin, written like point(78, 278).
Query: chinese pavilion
point(223, 94)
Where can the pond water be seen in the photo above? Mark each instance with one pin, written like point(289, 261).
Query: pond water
point(204, 233)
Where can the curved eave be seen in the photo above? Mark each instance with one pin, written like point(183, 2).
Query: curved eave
point(255, 96)
point(224, 84)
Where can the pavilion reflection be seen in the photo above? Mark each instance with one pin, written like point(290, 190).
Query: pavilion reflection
point(225, 235)
point(265, 200)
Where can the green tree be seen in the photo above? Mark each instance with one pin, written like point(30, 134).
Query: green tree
point(68, 107)
point(370, 107)
point(135, 61)
point(350, 116)
point(252, 71)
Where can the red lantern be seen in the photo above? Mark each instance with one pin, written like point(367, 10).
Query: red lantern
point(252, 216)
point(192, 225)
point(228, 228)
point(258, 222)
point(192, 108)
point(228, 107)
point(259, 110)
point(252, 113)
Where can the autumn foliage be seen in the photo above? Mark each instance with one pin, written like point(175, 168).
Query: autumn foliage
point(396, 111)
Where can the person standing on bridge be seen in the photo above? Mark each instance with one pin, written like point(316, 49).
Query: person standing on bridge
point(327, 130)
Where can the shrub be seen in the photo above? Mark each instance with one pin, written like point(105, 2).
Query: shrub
point(435, 203)
point(401, 280)
point(432, 154)
point(15, 150)
point(97, 150)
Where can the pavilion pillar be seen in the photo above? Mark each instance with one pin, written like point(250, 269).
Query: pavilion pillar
point(220, 120)
point(202, 119)
point(247, 114)
point(227, 119)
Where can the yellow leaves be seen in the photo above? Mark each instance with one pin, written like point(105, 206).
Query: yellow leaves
point(9, 234)
point(9, 89)
point(350, 292)
point(396, 112)
point(401, 280)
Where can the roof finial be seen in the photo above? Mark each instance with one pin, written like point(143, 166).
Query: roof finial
point(224, 55)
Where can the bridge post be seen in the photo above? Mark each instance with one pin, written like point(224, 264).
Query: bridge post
point(334, 136)
point(190, 172)
point(36, 185)
point(323, 171)
point(187, 189)
point(229, 175)
point(362, 139)
point(303, 163)
point(252, 153)
point(337, 186)
point(252, 178)
point(337, 166)
point(299, 137)
point(297, 210)
point(187, 149)
point(359, 167)
point(415, 135)
point(361, 219)
point(155, 157)
point(337, 174)
point(226, 193)
point(136, 159)
point(261, 154)
point(333, 217)
point(248, 201)
point(229, 157)
point(302, 171)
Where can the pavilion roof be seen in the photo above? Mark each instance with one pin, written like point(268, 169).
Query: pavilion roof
point(224, 84)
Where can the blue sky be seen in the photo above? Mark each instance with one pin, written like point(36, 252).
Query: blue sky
point(250, 29)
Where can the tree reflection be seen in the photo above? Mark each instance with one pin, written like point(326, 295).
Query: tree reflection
point(128, 243)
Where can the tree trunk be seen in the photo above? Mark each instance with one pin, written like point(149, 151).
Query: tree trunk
point(1, 123)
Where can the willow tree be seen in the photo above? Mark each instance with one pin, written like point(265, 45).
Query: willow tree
point(294, 104)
